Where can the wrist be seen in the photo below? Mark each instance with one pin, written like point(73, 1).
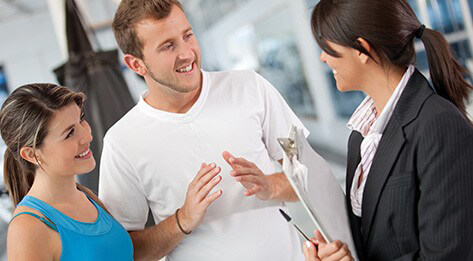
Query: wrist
point(182, 223)
point(273, 188)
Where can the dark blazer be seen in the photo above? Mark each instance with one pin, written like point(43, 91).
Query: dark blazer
point(418, 198)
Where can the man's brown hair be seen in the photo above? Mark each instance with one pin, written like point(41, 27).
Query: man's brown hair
point(129, 13)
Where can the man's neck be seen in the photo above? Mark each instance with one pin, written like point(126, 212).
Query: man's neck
point(166, 99)
point(172, 102)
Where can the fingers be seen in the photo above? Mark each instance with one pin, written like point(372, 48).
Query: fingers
point(206, 178)
point(203, 170)
point(204, 191)
point(252, 183)
point(197, 198)
point(238, 170)
point(252, 191)
point(327, 250)
point(319, 237)
point(226, 156)
point(204, 181)
point(343, 252)
point(347, 258)
point(230, 159)
point(242, 162)
point(211, 198)
point(310, 252)
point(249, 179)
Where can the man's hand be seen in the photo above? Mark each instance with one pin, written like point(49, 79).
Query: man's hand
point(198, 198)
point(250, 176)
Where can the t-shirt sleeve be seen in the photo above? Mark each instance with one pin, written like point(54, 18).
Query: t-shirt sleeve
point(278, 118)
point(120, 189)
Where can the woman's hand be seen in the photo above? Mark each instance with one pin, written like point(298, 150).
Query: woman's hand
point(326, 251)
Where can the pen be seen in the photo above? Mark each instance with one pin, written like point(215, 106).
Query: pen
point(288, 219)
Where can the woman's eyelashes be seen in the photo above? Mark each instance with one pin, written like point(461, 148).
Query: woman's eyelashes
point(82, 117)
point(71, 132)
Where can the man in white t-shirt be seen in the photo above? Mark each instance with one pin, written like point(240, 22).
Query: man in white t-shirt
point(173, 152)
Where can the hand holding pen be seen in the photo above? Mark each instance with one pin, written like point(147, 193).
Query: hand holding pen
point(317, 249)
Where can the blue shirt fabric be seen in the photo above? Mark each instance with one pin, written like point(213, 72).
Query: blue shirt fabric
point(104, 239)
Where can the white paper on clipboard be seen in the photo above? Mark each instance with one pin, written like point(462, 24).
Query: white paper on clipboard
point(317, 188)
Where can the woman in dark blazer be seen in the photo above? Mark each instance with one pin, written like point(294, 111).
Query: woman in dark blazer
point(410, 154)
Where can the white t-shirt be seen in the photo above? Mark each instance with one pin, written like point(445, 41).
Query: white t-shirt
point(150, 156)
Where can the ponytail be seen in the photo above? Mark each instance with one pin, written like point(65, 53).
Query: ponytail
point(18, 182)
point(390, 27)
point(446, 73)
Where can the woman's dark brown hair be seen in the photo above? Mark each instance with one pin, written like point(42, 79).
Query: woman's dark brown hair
point(24, 120)
point(390, 26)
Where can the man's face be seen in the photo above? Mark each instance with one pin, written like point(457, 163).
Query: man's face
point(171, 53)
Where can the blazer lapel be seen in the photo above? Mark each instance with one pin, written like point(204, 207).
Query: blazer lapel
point(353, 158)
point(388, 150)
point(413, 97)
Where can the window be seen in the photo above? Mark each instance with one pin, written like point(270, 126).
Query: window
point(280, 61)
point(3, 85)
point(345, 102)
point(268, 46)
point(445, 16)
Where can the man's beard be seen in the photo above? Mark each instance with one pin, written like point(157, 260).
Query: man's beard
point(166, 82)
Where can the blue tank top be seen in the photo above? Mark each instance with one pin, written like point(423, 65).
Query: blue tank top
point(104, 239)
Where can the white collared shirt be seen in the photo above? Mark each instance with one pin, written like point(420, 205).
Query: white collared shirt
point(371, 127)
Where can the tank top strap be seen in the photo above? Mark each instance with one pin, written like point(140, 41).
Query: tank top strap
point(45, 209)
point(42, 219)
point(101, 225)
point(102, 213)
point(103, 239)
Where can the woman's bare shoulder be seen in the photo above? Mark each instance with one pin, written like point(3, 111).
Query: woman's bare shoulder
point(30, 238)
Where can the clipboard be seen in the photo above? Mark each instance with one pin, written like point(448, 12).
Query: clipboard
point(317, 188)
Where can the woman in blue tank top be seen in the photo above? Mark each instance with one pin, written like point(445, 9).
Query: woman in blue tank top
point(48, 144)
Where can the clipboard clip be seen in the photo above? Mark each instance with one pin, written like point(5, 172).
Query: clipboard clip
point(290, 145)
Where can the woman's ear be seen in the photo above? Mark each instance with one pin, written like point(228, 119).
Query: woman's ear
point(28, 154)
point(135, 64)
point(364, 58)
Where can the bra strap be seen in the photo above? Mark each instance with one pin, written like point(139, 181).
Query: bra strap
point(42, 219)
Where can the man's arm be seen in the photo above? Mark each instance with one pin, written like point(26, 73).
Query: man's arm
point(282, 189)
point(266, 187)
point(157, 241)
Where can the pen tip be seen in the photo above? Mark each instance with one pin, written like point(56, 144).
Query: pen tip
point(286, 216)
